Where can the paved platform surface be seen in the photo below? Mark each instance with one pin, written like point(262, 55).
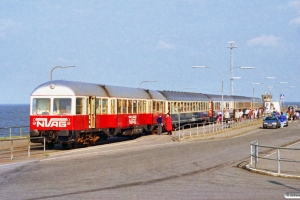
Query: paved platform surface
point(264, 165)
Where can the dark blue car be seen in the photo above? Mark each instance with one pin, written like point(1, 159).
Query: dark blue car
point(271, 122)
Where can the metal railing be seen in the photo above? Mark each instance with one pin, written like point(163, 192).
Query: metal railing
point(212, 127)
point(254, 154)
point(12, 150)
point(18, 131)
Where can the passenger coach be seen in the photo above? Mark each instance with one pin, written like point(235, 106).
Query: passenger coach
point(69, 112)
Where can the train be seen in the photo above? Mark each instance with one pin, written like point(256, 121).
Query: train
point(80, 113)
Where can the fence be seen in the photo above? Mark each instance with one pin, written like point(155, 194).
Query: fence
point(12, 149)
point(212, 127)
point(254, 154)
point(14, 131)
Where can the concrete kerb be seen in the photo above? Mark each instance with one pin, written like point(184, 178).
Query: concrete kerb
point(269, 173)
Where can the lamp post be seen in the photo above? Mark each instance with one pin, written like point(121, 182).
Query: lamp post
point(146, 81)
point(58, 67)
point(231, 75)
point(222, 88)
point(253, 89)
point(282, 96)
point(231, 46)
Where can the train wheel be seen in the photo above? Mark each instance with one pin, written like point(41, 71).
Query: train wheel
point(50, 145)
point(64, 145)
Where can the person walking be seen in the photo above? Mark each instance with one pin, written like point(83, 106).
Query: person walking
point(159, 124)
point(237, 115)
point(169, 124)
point(282, 120)
point(247, 113)
point(210, 115)
point(250, 114)
point(241, 115)
point(227, 116)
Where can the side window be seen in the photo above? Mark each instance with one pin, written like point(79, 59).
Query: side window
point(140, 106)
point(149, 106)
point(119, 109)
point(113, 106)
point(87, 106)
point(104, 106)
point(129, 106)
point(134, 107)
point(41, 106)
point(61, 106)
point(122, 106)
point(79, 106)
point(154, 107)
point(98, 106)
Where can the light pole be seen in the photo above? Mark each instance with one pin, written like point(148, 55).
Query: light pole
point(253, 89)
point(231, 46)
point(282, 97)
point(58, 67)
point(231, 75)
point(146, 81)
point(222, 88)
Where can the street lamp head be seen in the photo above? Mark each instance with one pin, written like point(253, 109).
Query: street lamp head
point(271, 77)
point(199, 67)
point(146, 81)
point(283, 82)
point(236, 77)
point(257, 83)
point(247, 67)
point(58, 67)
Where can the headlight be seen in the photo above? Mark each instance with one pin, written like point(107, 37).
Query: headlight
point(274, 123)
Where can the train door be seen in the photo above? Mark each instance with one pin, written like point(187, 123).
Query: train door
point(92, 112)
point(211, 106)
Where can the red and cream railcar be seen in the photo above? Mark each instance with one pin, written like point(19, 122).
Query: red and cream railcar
point(82, 113)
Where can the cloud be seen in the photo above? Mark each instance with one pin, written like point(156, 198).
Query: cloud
point(164, 45)
point(7, 25)
point(264, 40)
point(62, 60)
point(295, 5)
point(295, 21)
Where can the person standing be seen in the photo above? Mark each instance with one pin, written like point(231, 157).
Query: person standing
point(282, 119)
point(210, 115)
point(250, 114)
point(241, 115)
point(247, 113)
point(159, 124)
point(237, 116)
point(227, 116)
point(169, 124)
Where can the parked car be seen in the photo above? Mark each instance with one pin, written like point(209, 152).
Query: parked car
point(286, 122)
point(271, 121)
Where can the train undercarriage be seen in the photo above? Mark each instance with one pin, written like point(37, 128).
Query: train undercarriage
point(86, 137)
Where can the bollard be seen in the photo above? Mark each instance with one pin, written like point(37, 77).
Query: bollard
point(278, 161)
point(11, 150)
point(29, 148)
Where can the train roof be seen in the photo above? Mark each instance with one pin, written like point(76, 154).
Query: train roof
point(68, 88)
point(217, 97)
point(184, 96)
point(241, 98)
point(73, 88)
point(76, 88)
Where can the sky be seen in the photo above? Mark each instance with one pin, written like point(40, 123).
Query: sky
point(123, 43)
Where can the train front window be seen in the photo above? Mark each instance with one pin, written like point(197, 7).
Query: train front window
point(61, 106)
point(41, 106)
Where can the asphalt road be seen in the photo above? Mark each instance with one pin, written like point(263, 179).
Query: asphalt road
point(152, 167)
